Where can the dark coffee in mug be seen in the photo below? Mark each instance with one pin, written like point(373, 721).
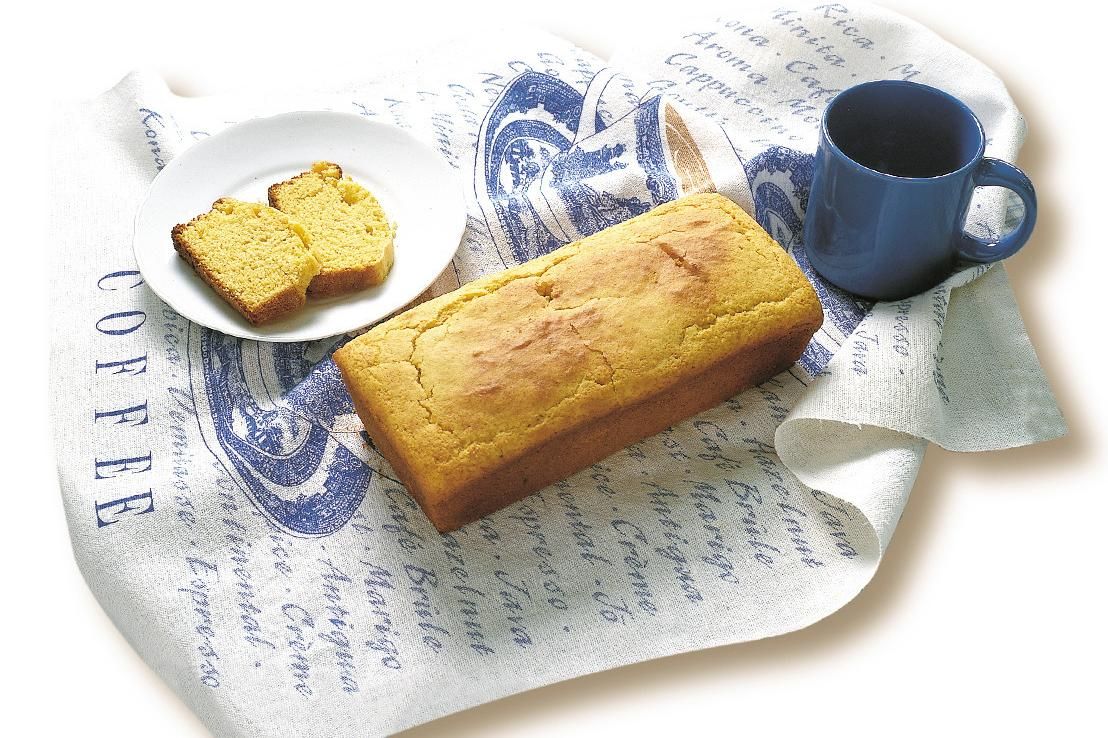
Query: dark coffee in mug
point(895, 170)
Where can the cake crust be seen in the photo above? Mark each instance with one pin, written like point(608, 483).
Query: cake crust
point(487, 394)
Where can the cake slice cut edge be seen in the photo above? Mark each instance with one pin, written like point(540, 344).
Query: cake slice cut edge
point(351, 235)
point(255, 257)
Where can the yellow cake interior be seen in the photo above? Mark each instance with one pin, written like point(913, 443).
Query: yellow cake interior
point(250, 251)
point(350, 233)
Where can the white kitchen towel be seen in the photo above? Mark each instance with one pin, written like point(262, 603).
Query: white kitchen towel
point(237, 526)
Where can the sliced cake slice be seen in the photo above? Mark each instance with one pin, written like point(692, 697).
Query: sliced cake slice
point(254, 256)
point(350, 233)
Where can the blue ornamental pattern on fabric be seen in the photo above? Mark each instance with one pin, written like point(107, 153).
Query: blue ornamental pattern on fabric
point(277, 450)
point(518, 144)
point(545, 180)
point(780, 179)
point(320, 395)
point(589, 210)
point(650, 153)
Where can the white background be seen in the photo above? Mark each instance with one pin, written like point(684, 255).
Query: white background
point(987, 614)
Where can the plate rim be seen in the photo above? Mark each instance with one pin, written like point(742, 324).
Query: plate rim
point(245, 332)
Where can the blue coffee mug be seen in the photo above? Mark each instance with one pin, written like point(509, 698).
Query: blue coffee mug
point(896, 167)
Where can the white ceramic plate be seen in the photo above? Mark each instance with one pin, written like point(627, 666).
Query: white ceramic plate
point(417, 189)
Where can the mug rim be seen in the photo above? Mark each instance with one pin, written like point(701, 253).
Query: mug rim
point(826, 133)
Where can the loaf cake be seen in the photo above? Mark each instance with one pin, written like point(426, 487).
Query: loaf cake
point(350, 234)
point(516, 380)
point(254, 256)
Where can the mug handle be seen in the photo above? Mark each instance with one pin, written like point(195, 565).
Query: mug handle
point(995, 172)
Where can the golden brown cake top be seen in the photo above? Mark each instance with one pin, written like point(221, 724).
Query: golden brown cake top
point(481, 374)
